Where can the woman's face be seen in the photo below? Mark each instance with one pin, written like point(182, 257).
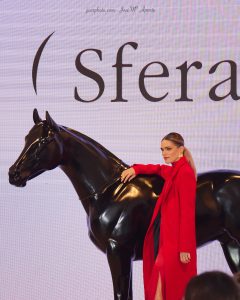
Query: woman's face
point(170, 151)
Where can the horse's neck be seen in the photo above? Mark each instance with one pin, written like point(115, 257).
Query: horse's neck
point(89, 166)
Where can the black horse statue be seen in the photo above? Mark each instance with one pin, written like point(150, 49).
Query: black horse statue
point(119, 213)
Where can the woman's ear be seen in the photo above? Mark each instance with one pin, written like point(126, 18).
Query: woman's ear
point(181, 151)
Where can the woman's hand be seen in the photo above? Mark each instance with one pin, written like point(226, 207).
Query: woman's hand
point(185, 257)
point(128, 174)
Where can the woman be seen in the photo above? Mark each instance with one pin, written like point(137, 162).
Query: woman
point(166, 277)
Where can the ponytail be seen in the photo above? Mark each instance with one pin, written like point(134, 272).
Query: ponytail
point(190, 160)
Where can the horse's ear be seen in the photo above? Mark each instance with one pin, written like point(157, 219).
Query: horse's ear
point(36, 118)
point(53, 125)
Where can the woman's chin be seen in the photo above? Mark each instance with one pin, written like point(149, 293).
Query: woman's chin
point(168, 161)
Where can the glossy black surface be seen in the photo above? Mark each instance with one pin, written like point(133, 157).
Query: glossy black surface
point(118, 214)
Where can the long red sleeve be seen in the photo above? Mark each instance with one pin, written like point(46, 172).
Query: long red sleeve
point(187, 198)
point(147, 169)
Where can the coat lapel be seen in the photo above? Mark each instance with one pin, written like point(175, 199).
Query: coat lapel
point(173, 174)
point(167, 186)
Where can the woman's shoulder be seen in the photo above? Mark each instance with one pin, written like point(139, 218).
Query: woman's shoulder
point(165, 171)
point(186, 170)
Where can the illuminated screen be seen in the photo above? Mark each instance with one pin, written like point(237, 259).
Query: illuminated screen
point(172, 55)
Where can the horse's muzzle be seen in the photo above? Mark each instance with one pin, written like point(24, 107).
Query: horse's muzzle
point(15, 178)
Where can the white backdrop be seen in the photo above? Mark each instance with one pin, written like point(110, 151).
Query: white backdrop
point(44, 246)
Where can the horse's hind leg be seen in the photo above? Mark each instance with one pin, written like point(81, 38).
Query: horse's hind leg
point(231, 250)
point(120, 262)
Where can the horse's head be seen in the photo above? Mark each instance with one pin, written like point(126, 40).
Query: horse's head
point(42, 151)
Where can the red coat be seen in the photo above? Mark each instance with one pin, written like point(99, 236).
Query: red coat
point(177, 231)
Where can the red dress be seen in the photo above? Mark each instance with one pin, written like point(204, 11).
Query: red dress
point(177, 231)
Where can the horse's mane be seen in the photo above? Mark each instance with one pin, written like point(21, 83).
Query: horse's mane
point(80, 137)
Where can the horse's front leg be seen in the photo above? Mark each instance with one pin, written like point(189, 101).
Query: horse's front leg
point(120, 262)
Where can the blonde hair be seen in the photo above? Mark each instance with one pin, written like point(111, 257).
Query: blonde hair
point(178, 140)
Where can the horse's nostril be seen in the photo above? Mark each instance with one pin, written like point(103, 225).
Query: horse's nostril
point(13, 173)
